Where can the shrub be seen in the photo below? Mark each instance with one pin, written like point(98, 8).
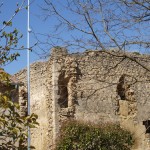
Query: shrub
point(81, 136)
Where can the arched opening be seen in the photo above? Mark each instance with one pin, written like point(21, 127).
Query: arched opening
point(63, 91)
point(147, 126)
point(121, 88)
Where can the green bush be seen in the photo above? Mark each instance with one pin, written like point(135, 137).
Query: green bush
point(80, 136)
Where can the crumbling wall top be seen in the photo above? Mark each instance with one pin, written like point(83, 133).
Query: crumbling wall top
point(58, 51)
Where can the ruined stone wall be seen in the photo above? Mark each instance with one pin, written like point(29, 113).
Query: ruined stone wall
point(112, 89)
point(93, 86)
point(100, 87)
point(41, 103)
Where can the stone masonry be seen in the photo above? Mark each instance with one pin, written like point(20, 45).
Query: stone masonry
point(94, 86)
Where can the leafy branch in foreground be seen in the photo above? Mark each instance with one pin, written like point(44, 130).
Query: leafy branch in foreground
point(10, 37)
point(13, 126)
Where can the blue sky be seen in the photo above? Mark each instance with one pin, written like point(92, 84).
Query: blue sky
point(38, 24)
point(46, 27)
point(20, 22)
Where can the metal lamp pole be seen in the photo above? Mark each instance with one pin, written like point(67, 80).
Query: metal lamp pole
point(28, 71)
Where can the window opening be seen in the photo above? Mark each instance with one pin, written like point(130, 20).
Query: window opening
point(63, 91)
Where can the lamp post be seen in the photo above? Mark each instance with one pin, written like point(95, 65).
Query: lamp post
point(28, 69)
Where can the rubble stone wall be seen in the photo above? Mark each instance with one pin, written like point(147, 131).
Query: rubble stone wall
point(94, 86)
point(40, 102)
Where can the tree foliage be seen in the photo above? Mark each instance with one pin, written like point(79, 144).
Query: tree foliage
point(10, 37)
point(81, 136)
point(13, 126)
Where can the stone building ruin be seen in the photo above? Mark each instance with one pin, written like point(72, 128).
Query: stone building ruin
point(92, 86)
